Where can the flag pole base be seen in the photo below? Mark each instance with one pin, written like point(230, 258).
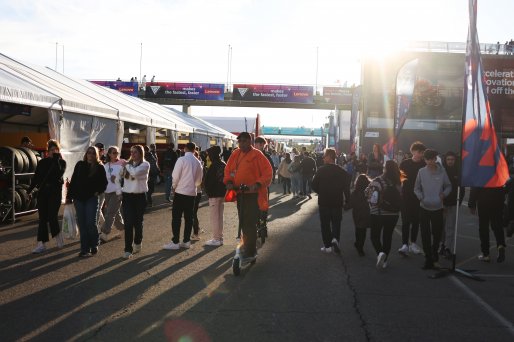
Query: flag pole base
point(455, 271)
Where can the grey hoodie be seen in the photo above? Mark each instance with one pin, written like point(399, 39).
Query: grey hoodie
point(429, 185)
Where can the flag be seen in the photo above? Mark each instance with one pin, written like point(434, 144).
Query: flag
point(405, 82)
point(483, 164)
point(356, 99)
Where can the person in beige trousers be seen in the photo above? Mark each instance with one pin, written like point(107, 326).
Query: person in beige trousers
point(215, 189)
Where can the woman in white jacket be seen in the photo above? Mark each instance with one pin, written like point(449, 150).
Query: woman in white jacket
point(135, 187)
point(113, 195)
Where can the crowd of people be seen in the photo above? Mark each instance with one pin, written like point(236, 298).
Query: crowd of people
point(421, 187)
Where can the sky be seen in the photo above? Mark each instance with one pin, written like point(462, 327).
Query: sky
point(300, 42)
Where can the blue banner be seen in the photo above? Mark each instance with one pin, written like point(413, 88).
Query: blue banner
point(185, 91)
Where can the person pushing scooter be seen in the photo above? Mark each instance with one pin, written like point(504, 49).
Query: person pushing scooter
point(248, 166)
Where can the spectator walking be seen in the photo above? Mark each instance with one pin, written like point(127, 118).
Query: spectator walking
point(385, 201)
point(135, 186)
point(332, 184)
point(215, 190)
point(113, 194)
point(196, 223)
point(375, 162)
point(87, 183)
point(307, 169)
point(489, 204)
point(431, 187)
point(285, 175)
point(151, 158)
point(187, 176)
point(170, 158)
point(409, 168)
point(296, 176)
point(450, 204)
point(47, 182)
point(360, 213)
point(248, 167)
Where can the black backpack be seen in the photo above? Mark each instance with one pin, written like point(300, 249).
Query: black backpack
point(389, 198)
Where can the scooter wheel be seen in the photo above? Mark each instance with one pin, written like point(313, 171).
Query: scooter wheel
point(236, 267)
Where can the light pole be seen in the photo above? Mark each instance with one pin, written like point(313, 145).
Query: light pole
point(140, 60)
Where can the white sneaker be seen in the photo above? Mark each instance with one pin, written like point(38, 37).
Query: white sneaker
point(60, 240)
point(381, 259)
point(39, 249)
point(414, 248)
point(185, 245)
point(404, 250)
point(335, 246)
point(171, 246)
point(104, 237)
point(214, 243)
point(326, 249)
point(137, 248)
point(127, 255)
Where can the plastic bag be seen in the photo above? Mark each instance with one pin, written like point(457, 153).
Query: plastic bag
point(69, 222)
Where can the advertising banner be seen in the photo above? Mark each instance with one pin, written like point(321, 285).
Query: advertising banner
point(338, 95)
point(186, 91)
point(129, 88)
point(272, 93)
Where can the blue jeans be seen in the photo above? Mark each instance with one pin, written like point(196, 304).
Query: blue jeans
point(86, 220)
point(167, 185)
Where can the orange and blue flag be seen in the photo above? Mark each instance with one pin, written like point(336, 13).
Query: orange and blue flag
point(483, 164)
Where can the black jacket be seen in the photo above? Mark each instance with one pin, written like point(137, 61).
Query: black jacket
point(486, 197)
point(332, 184)
point(85, 182)
point(360, 214)
point(213, 181)
point(308, 166)
point(48, 176)
point(454, 175)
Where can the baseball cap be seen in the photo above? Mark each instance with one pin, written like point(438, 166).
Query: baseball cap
point(100, 146)
point(244, 135)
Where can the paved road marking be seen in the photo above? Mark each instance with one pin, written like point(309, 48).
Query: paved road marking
point(489, 309)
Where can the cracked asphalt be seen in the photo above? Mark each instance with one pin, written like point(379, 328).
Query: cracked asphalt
point(293, 292)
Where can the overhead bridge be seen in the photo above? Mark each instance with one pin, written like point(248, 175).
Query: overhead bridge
point(292, 131)
point(319, 102)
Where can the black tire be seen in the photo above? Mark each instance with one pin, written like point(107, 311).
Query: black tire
point(6, 154)
point(17, 200)
point(236, 267)
point(24, 196)
point(25, 159)
point(31, 158)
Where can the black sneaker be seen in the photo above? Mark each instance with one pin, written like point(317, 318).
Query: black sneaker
point(84, 255)
point(94, 250)
point(501, 254)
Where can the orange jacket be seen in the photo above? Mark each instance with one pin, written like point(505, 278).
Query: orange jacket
point(250, 168)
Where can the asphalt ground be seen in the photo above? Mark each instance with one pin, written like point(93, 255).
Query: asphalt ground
point(293, 293)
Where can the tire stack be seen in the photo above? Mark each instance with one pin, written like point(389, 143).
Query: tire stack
point(25, 162)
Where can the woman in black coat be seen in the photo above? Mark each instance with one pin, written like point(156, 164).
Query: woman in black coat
point(48, 182)
point(87, 183)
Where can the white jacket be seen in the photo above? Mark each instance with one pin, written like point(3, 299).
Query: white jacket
point(187, 175)
point(113, 169)
point(137, 181)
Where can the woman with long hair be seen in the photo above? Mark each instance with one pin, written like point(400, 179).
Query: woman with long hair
point(215, 189)
point(375, 161)
point(113, 194)
point(382, 219)
point(135, 186)
point(296, 176)
point(284, 173)
point(48, 181)
point(360, 214)
point(87, 183)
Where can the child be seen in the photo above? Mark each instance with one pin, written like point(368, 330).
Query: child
point(361, 217)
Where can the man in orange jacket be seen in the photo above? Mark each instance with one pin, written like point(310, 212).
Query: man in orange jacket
point(248, 166)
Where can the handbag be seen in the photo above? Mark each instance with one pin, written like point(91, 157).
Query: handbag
point(231, 196)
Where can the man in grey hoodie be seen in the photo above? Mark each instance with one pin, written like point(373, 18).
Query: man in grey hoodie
point(431, 187)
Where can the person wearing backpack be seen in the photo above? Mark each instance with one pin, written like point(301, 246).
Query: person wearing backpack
point(431, 187)
point(360, 213)
point(384, 199)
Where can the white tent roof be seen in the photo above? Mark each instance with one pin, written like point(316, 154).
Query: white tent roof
point(202, 126)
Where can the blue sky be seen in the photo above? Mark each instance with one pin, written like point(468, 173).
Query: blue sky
point(273, 41)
